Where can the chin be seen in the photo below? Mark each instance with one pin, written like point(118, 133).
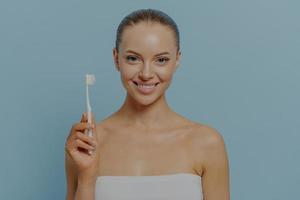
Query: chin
point(145, 100)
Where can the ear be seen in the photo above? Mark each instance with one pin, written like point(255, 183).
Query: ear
point(178, 56)
point(116, 59)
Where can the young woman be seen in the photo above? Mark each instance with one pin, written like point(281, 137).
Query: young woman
point(145, 150)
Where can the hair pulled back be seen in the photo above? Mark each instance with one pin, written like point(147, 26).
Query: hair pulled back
point(147, 15)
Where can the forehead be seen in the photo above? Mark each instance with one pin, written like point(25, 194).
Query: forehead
point(148, 38)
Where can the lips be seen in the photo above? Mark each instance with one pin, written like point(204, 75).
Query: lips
point(145, 84)
point(145, 88)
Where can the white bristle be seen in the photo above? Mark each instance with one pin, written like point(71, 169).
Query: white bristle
point(90, 79)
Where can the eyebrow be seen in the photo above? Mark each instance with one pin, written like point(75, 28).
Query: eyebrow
point(162, 53)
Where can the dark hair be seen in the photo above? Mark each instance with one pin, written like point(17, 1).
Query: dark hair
point(147, 15)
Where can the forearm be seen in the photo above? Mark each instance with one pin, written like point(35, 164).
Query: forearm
point(85, 190)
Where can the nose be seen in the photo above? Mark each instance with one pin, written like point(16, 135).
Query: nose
point(146, 72)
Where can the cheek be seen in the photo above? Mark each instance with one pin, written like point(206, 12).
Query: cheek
point(127, 72)
point(165, 74)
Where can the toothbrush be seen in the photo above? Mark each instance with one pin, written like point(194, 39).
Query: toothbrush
point(89, 81)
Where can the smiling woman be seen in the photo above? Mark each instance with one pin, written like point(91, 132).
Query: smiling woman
point(145, 150)
point(147, 54)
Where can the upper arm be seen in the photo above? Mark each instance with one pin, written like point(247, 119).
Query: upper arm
point(216, 167)
point(71, 177)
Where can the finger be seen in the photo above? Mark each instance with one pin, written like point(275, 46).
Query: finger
point(84, 117)
point(85, 138)
point(80, 143)
point(81, 126)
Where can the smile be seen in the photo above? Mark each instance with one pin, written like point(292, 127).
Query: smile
point(146, 88)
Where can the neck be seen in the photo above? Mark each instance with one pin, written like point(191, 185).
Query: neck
point(145, 116)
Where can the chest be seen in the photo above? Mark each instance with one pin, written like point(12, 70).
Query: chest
point(135, 153)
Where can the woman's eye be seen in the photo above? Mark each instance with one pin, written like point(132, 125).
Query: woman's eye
point(162, 60)
point(131, 58)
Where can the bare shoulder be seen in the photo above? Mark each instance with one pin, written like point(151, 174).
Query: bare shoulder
point(208, 147)
point(208, 136)
point(213, 159)
point(211, 142)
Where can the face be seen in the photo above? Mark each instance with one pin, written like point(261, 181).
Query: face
point(147, 60)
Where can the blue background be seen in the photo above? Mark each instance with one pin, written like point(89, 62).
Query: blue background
point(239, 73)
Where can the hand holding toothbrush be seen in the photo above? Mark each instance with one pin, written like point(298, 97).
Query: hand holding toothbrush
point(83, 140)
point(77, 146)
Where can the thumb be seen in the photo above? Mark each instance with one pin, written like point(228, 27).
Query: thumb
point(84, 117)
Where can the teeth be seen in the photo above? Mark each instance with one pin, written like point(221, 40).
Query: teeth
point(146, 86)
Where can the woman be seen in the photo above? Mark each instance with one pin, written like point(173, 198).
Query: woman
point(145, 150)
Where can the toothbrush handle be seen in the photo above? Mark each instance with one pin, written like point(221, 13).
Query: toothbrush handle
point(89, 116)
point(90, 134)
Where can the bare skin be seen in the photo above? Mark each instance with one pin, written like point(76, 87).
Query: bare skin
point(186, 147)
point(159, 149)
point(145, 136)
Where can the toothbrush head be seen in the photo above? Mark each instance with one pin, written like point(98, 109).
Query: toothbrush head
point(90, 79)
